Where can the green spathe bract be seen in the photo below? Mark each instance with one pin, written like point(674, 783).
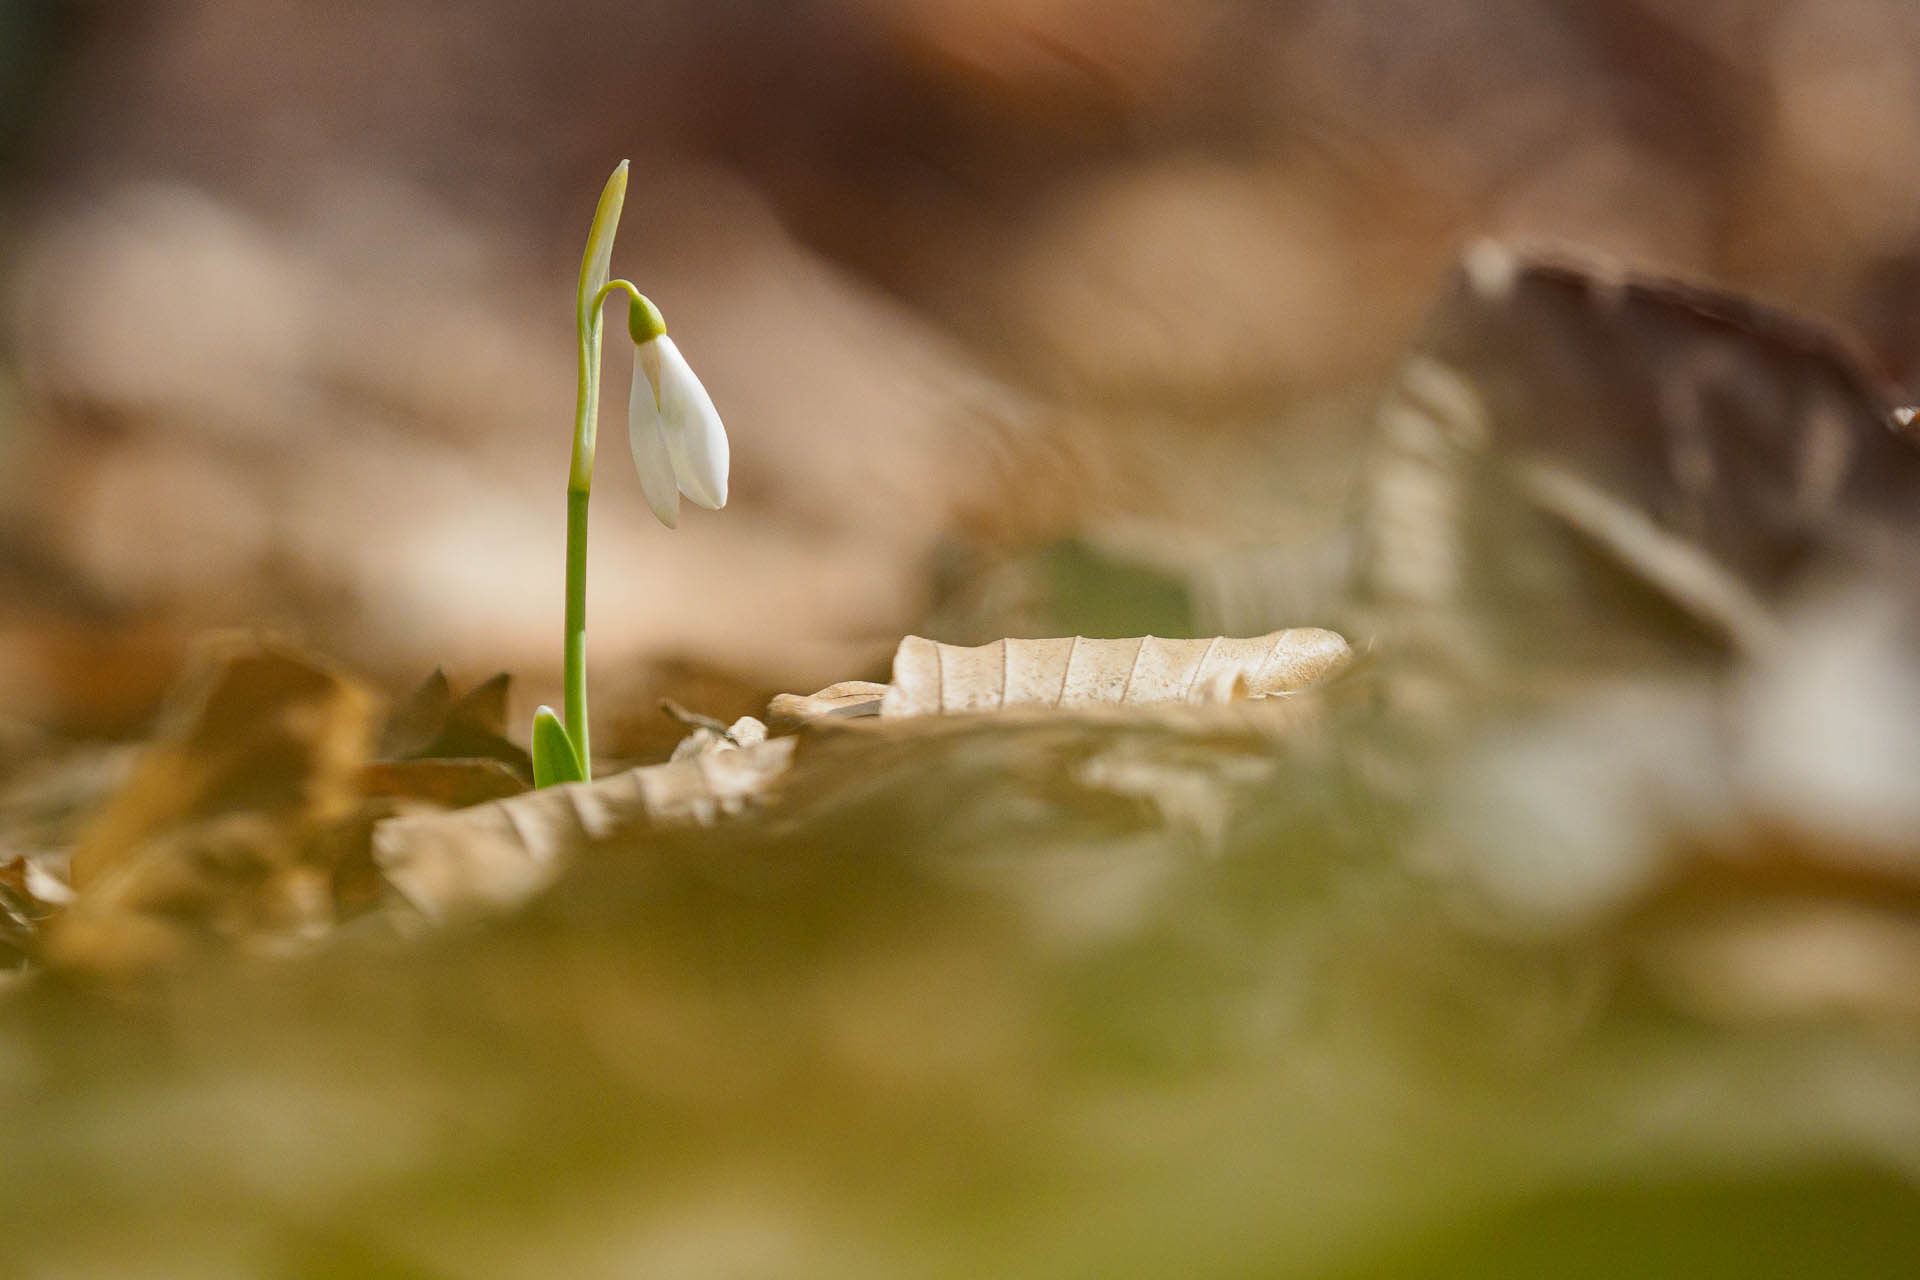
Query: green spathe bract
point(554, 759)
point(679, 447)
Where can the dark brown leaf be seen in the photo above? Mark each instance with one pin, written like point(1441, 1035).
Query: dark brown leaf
point(1577, 468)
point(451, 784)
point(434, 725)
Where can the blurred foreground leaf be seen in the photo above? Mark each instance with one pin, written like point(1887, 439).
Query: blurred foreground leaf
point(208, 839)
point(1597, 961)
point(495, 856)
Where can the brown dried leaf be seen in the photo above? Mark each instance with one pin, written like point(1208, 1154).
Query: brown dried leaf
point(1578, 470)
point(1076, 672)
point(845, 700)
point(434, 725)
point(46, 805)
point(497, 855)
point(21, 908)
point(484, 707)
point(417, 720)
point(236, 879)
point(710, 736)
point(451, 784)
point(1806, 958)
point(255, 729)
point(208, 840)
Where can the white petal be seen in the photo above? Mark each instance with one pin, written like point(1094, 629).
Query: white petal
point(647, 356)
point(696, 440)
point(646, 435)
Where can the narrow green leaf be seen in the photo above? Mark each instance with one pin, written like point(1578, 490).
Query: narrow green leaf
point(554, 759)
point(597, 264)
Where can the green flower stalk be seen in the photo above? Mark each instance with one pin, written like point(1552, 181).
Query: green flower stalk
point(679, 447)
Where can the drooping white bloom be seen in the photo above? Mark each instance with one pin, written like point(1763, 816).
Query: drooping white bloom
point(679, 445)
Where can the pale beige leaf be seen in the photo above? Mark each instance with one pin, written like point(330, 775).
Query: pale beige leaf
point(709, 738)
point(495, 856)
point(941, 679)
point(841, 701)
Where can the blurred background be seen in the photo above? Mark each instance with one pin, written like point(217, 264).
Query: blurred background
point(286, 286)
point(1025, 316)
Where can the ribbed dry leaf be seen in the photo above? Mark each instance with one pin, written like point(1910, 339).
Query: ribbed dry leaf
point(942, 679)
point(497, 855)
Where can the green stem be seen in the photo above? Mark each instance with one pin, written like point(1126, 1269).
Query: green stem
point(591, 293)
point(612, 287)
point(586, 405)
point(576, 637)
point(586, 418)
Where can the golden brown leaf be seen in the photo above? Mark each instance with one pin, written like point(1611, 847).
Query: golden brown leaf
point(256, 729)
point(209, 838)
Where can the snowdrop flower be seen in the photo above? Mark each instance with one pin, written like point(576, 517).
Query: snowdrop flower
point(679, 446)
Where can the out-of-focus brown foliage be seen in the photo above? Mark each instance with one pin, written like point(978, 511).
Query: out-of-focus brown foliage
point(287, 287)
point(1572, 925)
point(493, 857)
point(245, 824)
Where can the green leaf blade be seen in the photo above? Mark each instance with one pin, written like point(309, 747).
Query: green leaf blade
point(555, 760)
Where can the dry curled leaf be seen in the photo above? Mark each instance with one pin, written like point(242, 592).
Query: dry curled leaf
point(46, 805)
point(1577, 469)
point(209, 838)
point(1075, 672)
point(434, 725)
point(451, 784)
point(710, 735)
point(497, 855)
point(846, 700)
point(28, 893)
point(255, 729)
